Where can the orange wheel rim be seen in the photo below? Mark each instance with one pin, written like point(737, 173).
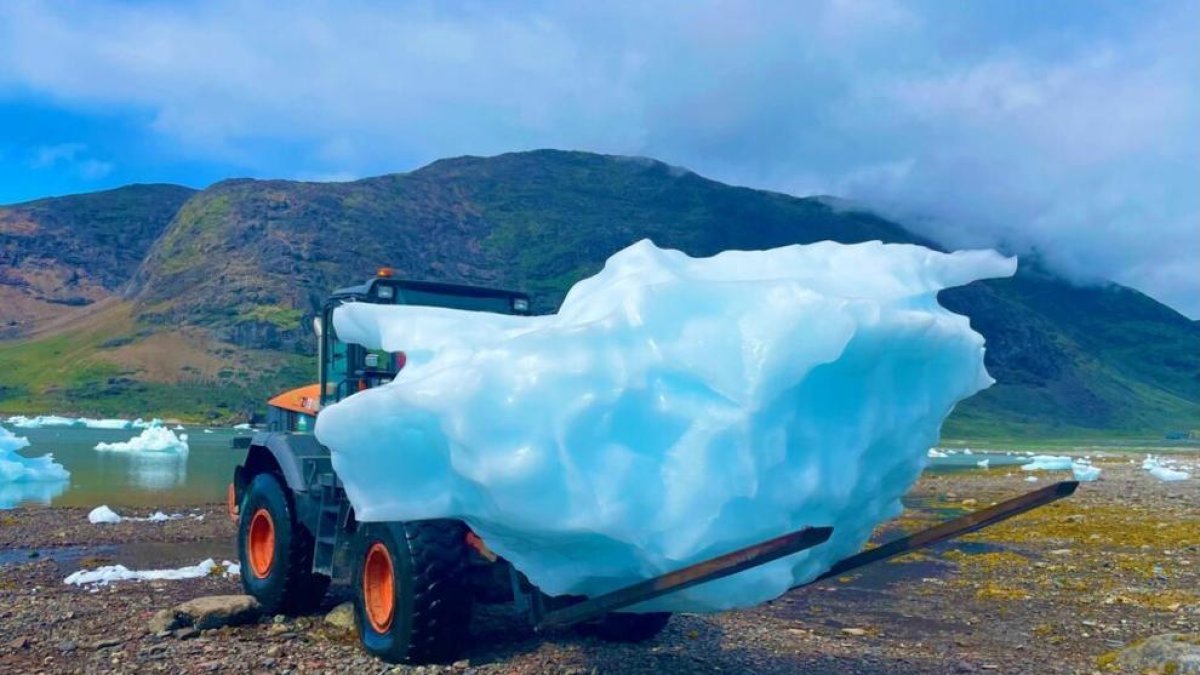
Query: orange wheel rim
point(260, 546)
point(231, 502)
point(379, 587)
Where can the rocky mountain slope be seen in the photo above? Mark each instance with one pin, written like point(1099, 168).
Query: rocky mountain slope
point(225, 282)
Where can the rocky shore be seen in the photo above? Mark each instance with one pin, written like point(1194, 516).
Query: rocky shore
point(1081, 586)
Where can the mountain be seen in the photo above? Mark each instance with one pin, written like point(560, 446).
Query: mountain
point(70, 252)
point(213, 314)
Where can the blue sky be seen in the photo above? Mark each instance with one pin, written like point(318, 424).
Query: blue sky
point(1070, 128)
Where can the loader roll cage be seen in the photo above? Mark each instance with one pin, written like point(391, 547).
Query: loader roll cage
point(346, 367)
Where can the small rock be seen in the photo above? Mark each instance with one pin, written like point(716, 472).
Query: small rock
point(279, 618)
point(187, 633)
point(66, 647)
point(1074, 518)
point(163, 634)
point(19, 643)
point(854, 631)
point(218, 610)
point(1061, 551)
point(970, 502)
point(342, 616)
point(105, 644)
point(461, 665)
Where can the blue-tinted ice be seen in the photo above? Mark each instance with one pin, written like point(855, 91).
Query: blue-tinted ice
point(672, 410)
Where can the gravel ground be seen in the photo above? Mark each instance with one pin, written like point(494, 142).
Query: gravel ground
point(1056, 590)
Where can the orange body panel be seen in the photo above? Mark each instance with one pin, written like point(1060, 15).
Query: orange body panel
point(305, 400)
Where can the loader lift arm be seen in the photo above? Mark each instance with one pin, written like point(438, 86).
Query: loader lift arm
point(759, 554)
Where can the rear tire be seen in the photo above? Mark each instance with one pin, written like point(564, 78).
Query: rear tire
point(412, 601)
point(275, 551)
point(627, 627)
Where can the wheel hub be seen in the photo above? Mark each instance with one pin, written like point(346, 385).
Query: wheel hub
point(379, 587)
point(260, 544)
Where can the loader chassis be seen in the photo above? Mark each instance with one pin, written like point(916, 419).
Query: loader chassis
point(414, 582)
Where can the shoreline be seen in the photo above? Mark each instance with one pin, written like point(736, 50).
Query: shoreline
point(1059, 589)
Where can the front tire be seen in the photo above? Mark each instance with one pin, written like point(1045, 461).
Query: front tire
point(412, 596)
point(275, 551)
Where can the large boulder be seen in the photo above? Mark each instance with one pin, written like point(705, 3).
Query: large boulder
point(208, 612)
point(1174, 653)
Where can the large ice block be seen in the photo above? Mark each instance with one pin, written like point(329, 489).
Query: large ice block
point(673, 409)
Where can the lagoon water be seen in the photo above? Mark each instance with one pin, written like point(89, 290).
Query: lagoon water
point(141, 480)
point(154, 480)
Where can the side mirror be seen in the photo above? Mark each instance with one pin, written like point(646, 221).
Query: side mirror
point(318, 327)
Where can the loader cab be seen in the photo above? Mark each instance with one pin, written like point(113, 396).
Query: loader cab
point(347, 368)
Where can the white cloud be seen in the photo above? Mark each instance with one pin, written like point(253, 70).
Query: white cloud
point(1071, 130)
point(72, 156)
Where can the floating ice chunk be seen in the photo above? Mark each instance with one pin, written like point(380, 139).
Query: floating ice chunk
point(1031, 479)
point(243, 425)
point(42, 421)
point(27, 478)
point(152, 439)
point(934, 453)
point(1048, 463)
point(103, 576)
point(208, 431)
point(672, 410)
point(179, 427)
point(967, 451)
point(983, 463)
point(1085, 472)
point(105, 423)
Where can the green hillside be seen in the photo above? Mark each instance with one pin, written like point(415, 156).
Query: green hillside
point(242, 265)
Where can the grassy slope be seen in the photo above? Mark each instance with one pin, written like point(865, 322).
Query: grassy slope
point(249, 261)
point(76, 372)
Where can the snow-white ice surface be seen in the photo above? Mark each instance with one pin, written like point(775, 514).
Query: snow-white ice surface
point(41, 421)
point(673, 409)
point(103, 514)
point(152, 439)
point(103, 576)
point(1164, 469)
point(1084, 471)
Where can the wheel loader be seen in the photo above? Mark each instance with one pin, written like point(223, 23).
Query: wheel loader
point(414, 583)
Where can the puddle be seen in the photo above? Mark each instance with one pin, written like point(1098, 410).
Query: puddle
point(140, 555)
point(68, 556)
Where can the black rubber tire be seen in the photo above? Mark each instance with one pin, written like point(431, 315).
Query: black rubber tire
point(626, 627)
point(290, 586)
point(433, 598)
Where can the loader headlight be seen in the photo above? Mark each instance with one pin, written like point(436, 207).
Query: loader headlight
point(520, 305)
point(385, 292)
